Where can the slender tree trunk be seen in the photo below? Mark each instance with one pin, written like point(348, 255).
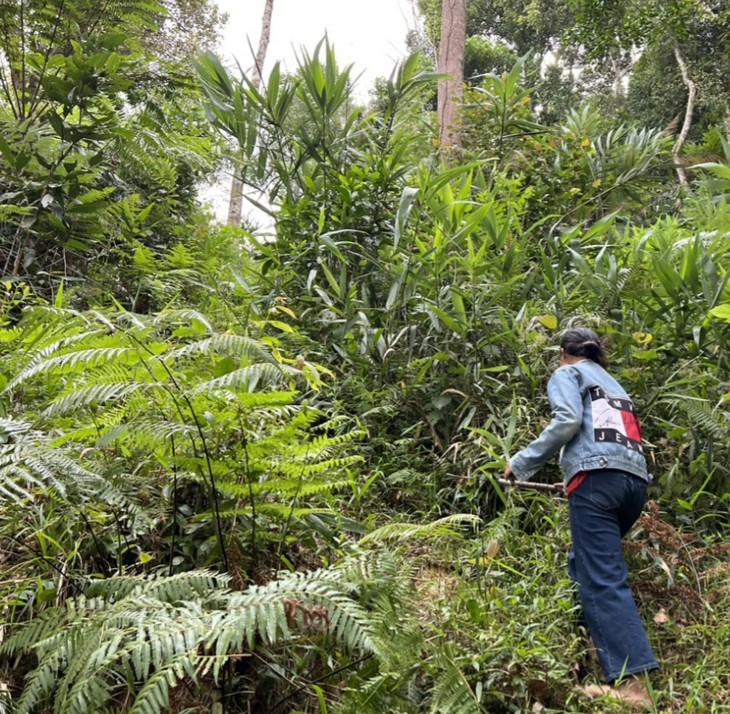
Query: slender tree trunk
point(689, 111)
point(235, 201)
point(263, 43)
point(451, 63)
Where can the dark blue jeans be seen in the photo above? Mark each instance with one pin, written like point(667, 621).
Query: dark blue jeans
point(602, 510)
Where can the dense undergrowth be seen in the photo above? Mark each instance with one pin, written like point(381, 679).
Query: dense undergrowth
point(243, 472)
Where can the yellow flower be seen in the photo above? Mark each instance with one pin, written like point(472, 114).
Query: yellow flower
point(643, 338)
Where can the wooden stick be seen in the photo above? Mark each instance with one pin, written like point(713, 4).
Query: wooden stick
point(553, 487)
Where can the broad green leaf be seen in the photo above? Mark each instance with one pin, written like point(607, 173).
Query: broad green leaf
point(224, 366)
point(549, 322)
point(644, 355)
point(722, 312)
point(283, 326)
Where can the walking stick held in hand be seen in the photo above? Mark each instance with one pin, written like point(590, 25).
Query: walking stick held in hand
point(550, 487)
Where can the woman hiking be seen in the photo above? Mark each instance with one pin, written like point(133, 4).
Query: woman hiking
point(595, 427)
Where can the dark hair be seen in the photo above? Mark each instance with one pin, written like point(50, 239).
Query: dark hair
point(583, 342)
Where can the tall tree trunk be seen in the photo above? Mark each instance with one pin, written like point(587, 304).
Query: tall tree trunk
point(451, 63)
point(688, 112)
point(235, 201)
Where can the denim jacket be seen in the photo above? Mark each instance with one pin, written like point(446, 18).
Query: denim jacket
point(594, 426)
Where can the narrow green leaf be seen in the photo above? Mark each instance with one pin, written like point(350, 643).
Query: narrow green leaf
point(407, 200)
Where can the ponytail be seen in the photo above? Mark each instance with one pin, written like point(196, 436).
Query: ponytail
point(583, 342)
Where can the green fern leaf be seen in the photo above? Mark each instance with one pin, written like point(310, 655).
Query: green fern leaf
point(96, 394)
point(247, 378)
point(452, 693)
point(78, 361)
point(442, 528)
point(229, 344)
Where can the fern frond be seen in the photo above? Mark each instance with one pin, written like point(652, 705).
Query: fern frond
point(126, 390)
point(145, 433)
point(33, 466)
point(326, 441)
point(248, 378)
point(172, 589)
point(261, 611)
point(155, 693)
point(22, 469)
point(370, 567)
point(282, 487)
point(49, 314)
point(95, 394)
point(186, 316)
point(78, 361)
point(452, 693)
point(442, 528)
point(703, 416)
point(11, 489)
point(43, 348)
point(371, 696)
point(324, 447)
point(10, 334)
point(130, 410)
point(234, 345)
point(11, 428)
point(295, 468)
point(308, 451)
point(39, 685)
point(154, 630)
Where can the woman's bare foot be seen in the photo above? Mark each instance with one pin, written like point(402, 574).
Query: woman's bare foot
point(632, 691)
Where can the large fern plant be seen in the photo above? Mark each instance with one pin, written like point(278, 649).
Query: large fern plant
point(129, 642)
point(166, 429)
point(155, 444)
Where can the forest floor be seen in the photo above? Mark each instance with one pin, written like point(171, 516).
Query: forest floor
point(511, 615)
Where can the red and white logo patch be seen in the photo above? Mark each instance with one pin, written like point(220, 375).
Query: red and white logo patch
point(615, 420)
